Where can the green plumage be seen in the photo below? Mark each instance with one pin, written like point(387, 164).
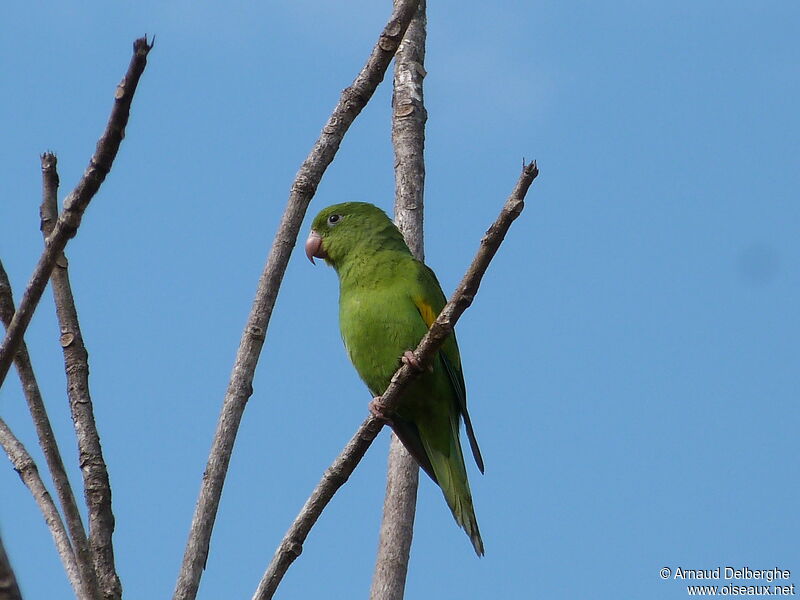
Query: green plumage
point(387, 300)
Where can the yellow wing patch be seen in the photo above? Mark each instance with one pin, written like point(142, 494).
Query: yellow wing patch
point(425, 310)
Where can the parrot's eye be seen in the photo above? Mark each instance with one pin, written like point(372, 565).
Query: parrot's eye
point(334, 219)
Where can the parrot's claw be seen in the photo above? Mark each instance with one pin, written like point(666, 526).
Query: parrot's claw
point(378, 410)
point(410, 359)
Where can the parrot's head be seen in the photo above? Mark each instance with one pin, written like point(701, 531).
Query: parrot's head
point(345, 230)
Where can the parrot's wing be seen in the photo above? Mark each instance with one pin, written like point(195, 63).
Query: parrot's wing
point(409, 434)
point(429, 304)
point(457, 379)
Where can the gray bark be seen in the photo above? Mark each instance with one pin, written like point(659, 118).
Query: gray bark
point(397, 526)
point(47, 441)
point(29, 473)
point(9, 590)
point(75, 205)
point(96, 485)
point(408, 140)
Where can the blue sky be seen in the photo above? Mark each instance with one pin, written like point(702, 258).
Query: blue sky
point(631, 359)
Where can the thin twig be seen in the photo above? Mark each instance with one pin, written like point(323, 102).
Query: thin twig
point(408, 140)
point(74, 206)
point(9, 590)
point(97, 489)
point(47, 441)
point(336, 475)
point(351, 102)
point(29, 473)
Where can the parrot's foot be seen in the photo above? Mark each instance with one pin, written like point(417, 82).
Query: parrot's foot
point(410, 359)
point(378, 410)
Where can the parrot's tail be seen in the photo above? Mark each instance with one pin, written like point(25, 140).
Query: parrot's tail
point(464, 513)
point(451, 475)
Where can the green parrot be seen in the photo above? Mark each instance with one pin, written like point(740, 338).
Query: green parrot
point(387, 301)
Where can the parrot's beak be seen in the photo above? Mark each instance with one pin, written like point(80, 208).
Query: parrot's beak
point(314, 247)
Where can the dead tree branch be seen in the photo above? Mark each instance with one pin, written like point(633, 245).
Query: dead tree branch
point(9, 590)
point(96, 485)
point(74, 206)
point(408, 140)
point(408, 133)
point(29, 473)
point(47, 442)
point(337, 474)
point(352, 101)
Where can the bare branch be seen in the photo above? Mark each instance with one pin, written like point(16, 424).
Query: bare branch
point(334, 477)
point(28, 472)
point(337, 474)
point(397, 526)
point(74, 206)
point(9, 590)
point(351, 102)
point(468, 288)
point(97, 488)
point(47, 442)
point(408, 139)
point(408, 133)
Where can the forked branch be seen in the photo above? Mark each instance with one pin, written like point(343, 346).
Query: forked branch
point(96, 485)
point(47, 441)
point(75, 205)
point(29, 473)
